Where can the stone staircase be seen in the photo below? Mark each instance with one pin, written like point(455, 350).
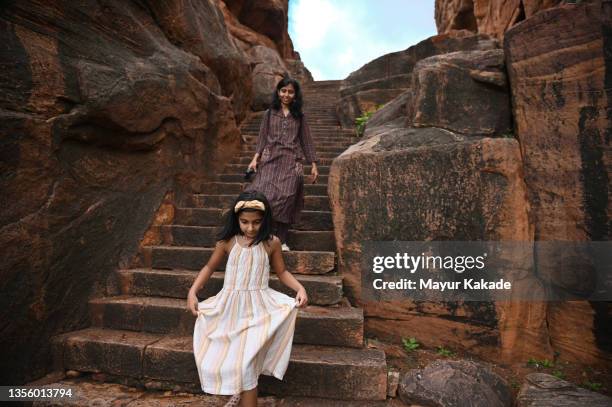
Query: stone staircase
point(143, 334)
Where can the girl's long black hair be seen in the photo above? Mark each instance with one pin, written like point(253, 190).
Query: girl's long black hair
point(296, 106)
point(231, 227)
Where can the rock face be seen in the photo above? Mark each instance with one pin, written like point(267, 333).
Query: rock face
point(268, 70)
point(199, 28)
point(544, 390)
point(260, 30)
point(444, 383)
point(268, 17)
point(464, 91)
point(492, 17)
point(550, 180)
point(386, 77)
point(561, 91)
point(435, 184)
point(106, 109)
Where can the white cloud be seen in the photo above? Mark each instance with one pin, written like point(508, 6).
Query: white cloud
point(337, 37)
point(316, 19)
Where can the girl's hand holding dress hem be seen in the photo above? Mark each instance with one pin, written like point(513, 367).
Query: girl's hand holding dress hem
point(192, 303)
point(301, 298)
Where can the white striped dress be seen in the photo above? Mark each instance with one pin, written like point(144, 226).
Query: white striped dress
point(246, 329)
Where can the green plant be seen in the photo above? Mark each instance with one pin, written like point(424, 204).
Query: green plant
point(441, 350)
point(360, 122)
point(540, 363)
point(410, 344)
point(591, 385)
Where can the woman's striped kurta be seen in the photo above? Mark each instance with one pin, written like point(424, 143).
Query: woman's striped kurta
point(246, 329)
point(283, 148)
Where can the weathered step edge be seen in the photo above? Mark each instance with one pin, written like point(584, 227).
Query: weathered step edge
point(321, 289)
point(194, 258)
point(316, 325)
point(167, 362)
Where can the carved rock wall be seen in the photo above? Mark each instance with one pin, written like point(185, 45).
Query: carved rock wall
point(107, 108)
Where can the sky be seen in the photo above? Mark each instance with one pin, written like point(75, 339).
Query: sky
point(337, 37)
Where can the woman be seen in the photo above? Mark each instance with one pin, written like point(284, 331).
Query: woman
point(283, 145)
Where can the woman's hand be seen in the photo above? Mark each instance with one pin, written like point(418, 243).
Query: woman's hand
point(302, 298)
point(253, 164)
point(314, 173)
point(192, 303)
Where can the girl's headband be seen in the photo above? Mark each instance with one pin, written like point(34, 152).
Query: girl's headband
point(250, 204)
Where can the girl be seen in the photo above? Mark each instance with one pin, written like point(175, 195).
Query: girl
point(283, 144)
point(247, 328)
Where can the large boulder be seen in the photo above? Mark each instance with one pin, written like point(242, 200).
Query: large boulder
point(268, 69)
point(269, 56)
point(393, 114)
point(560, 87)
point(444, 383)
point(493, 17)
point(464, 91)
point(386, 77)
point(198, 27)
point(268, 17)
point(436, 184)
point(102, 115)
point(544, 390)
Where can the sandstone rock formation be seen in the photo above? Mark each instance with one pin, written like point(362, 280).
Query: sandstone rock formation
point(492, 17)
point(260, 30)
point(434, 184)
point(386, 77)
point(549, 180)
point(443, 383)
point(199, 28)
point(107, 110)
point(561, 93)
point(268, 17)
point(464, 91)
point(544, 390)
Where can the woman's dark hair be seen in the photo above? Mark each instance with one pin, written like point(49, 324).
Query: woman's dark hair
point(231, 227)
point(296, 106)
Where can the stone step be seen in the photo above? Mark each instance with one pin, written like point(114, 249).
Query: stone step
point(194, 258)
point(241, 154)
point(240, 169)
point(313, 127)
point(310, 220)
point(315, 325)
point(91, 392)
point(322, 119)
point(336, 136)
point(346, 140)
point(319, 103)
point(216, 201)
point(327, 111)
point(322, 179)
point(246, 159)
point(320, 145)
point(322, 151)
point(164, 361)
point(322, 289)
point(237, 187)
point(205, 236)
